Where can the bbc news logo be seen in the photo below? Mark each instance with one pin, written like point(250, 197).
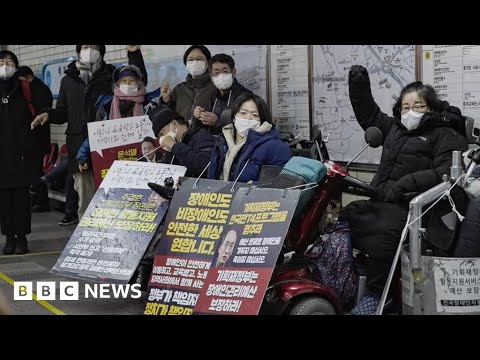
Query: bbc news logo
point(69, 290)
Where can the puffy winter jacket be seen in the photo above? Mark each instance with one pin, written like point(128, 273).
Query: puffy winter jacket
point(415, 160)
point(412, 160)
point(259, 149)
point(193, 152)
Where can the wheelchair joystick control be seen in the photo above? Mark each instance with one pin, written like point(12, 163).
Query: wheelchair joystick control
point(169, 182)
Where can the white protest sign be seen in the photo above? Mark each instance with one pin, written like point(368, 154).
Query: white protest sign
point(136, 175)
point(112, 133)
point(457, 284)
point(407, 280)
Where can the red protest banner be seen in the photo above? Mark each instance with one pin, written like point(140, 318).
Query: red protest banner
point(218, 248)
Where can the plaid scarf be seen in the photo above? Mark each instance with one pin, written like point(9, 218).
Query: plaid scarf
point(87, 70)
point(138, 97)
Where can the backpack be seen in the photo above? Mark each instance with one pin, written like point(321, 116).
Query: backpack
point(27, 94)
point(332, 256)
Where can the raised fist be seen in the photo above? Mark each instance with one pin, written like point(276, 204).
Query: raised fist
point(358, 73)
point(132, 48)
point(165, 92)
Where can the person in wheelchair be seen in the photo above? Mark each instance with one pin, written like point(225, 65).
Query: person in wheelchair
point(248, 143)
point(184, 145)
point(417, 151)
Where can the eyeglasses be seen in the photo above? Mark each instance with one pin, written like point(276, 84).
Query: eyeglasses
point(417, 108)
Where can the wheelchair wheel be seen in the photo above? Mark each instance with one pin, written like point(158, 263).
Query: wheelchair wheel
point(313, 306)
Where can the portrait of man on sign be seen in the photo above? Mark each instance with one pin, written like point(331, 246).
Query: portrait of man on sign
point(225, 250)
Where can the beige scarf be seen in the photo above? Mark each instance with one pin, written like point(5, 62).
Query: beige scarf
point(234, 149)
point(87, 70)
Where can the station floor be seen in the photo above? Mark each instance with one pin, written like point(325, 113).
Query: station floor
point(46, 243)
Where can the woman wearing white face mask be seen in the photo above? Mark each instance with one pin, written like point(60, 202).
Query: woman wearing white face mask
point(196, 90)
point(250, 142)
point(129, 95)
point(129, 99)
point(417, 152)
point(15, 146)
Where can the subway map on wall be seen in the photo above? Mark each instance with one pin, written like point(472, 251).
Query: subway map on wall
point(390, 67)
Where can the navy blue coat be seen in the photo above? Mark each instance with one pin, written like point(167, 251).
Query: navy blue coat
point(259, 149)
point(193, 152)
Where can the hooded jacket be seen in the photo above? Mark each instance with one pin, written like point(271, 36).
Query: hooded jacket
point(413, 160)
point(259, 149)
point(220, 102)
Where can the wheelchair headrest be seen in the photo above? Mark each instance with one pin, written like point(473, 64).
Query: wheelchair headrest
point(472, 130)
point(226, 117)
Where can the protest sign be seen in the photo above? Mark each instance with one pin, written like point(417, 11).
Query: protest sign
point(219, 248)
point(118, 139)
point(118, 224)
point(238, 277)
point(193, 226)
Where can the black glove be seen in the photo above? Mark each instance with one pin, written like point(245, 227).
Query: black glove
point(394, 195)
point(397, 194)
point(358, 73)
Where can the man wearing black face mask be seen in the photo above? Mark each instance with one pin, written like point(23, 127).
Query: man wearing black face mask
point(15, 145)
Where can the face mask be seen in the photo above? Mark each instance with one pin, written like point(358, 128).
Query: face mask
point(243, 125)
point(172, 134)
point(411, 119)
point(128, 89)
point(223, 81)
point(6, 72)
point(89, 56)
point(196, 67)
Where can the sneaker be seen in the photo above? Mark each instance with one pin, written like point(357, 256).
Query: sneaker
point(69, 219)
point(367, 305)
